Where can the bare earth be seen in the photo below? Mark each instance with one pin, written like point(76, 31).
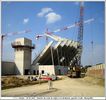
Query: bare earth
point(65, 87)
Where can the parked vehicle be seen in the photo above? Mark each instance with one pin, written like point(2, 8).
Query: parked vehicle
point(75, 72)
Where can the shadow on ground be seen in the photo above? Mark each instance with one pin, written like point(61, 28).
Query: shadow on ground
point(45, 92)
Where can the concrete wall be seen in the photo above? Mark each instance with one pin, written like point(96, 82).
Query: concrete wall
point(97, 71)
point(23, 41)
point(27, 58)
point(19, 61)
point(47, 69)
point(22, 60)
point(34, 69)
point(8, 68)
point(61, 70)
point(22, 55)
point(51, 69)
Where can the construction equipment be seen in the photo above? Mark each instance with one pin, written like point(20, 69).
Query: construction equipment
point(76, 62)
point(80, 34)
point(10, 34)
point(77, 72)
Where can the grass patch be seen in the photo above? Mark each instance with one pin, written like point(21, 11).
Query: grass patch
point(12, 82)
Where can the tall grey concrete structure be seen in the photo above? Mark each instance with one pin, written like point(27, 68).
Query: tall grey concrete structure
point(22, 48)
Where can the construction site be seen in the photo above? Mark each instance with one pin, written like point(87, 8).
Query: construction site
point(60, 58)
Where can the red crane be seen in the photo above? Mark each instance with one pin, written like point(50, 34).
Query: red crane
point(64, 28)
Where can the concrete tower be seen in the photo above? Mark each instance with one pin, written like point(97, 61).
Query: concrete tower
point(22, 48)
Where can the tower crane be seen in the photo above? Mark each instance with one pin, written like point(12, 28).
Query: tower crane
point(80, 23)
point(57, 38)
point(80, 34)
point(10, 34)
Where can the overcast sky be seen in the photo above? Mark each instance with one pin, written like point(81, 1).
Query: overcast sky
point(38, 16)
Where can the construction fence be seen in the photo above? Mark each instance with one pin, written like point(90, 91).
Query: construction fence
point(97, 71)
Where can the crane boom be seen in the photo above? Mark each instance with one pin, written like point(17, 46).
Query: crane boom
point(73, 25)
point(10, 34)
point(15, 33)
point(56, 38)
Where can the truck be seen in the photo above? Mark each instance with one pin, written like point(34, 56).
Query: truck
point(74, 72)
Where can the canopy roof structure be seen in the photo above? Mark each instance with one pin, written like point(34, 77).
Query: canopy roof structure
point(63, 52)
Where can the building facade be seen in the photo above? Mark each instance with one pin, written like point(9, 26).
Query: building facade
point(22, 62)
point(49, 69)
point(22, 48)
point(8, 68)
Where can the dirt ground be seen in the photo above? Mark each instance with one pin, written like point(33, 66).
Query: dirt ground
point(65, 87)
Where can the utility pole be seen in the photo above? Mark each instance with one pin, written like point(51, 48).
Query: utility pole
point(92, 52)
point(2, 39)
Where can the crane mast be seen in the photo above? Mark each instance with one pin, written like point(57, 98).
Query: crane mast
point(80, 34)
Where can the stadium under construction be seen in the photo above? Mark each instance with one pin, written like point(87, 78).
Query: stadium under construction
point(58, 56)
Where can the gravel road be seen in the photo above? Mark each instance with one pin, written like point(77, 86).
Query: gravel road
point(65, 87)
